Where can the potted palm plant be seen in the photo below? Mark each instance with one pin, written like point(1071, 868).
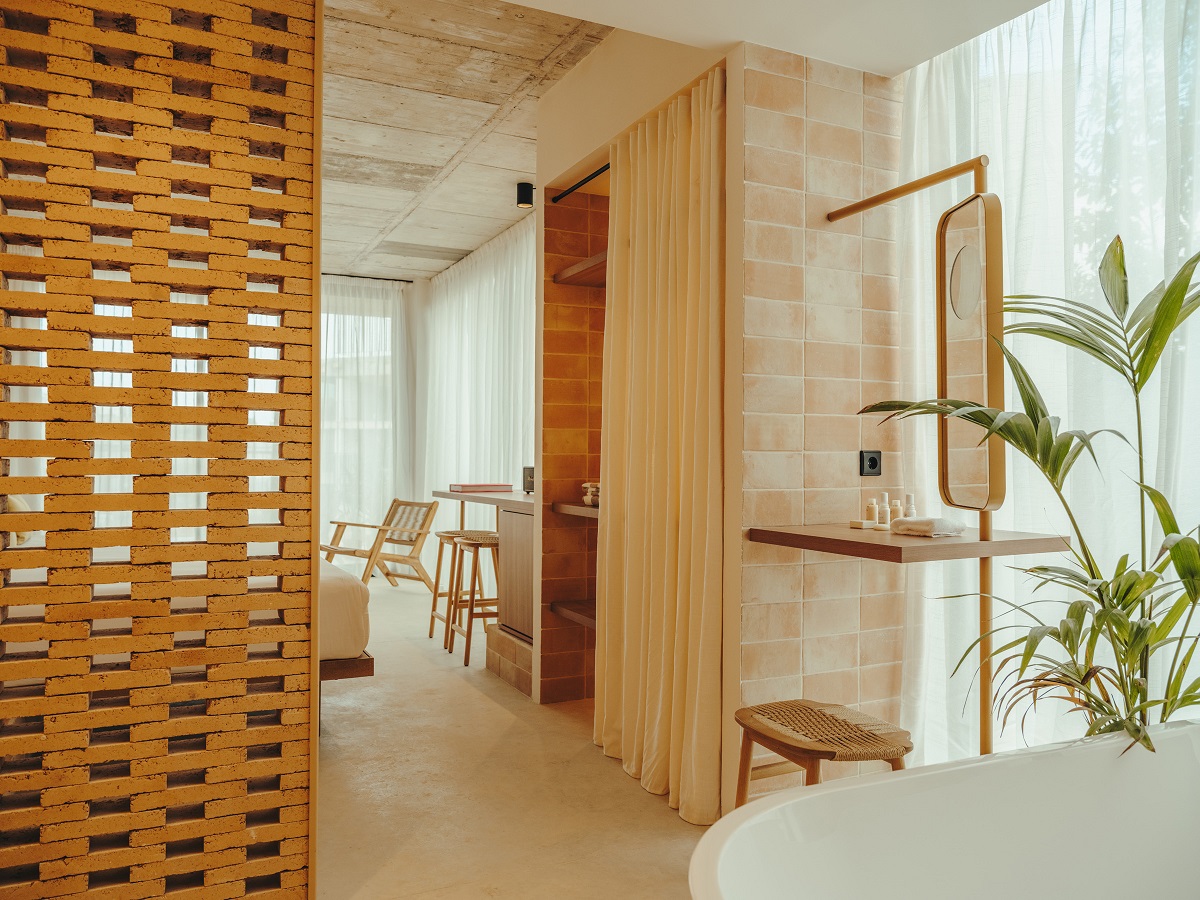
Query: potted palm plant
point(1119, 617)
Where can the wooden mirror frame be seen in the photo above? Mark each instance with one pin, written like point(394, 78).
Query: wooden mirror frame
point(993, 298)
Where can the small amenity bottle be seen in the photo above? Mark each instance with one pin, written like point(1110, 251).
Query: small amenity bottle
point(885, 512)
point(871, 513)
point(897, 510)
point(910, 506)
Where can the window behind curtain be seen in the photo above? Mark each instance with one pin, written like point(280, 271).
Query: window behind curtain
point(1088, 111)
point(366, 401)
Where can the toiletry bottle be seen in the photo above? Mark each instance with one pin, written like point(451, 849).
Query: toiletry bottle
point(897, 510)
point(910, 506)
point(871, 513)
point(885, 511)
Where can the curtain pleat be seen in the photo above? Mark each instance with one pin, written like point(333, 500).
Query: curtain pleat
point(658, 638)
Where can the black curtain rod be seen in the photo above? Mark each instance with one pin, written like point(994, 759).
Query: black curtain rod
point(580, 183)
point(370, 278)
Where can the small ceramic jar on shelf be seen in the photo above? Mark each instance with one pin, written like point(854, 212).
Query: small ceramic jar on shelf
point(591, 493)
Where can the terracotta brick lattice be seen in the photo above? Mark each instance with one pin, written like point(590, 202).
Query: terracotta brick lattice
point(156, 243)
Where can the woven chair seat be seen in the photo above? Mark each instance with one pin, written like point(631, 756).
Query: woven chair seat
point(479, 539)
point(449, 536)
point(826, 730)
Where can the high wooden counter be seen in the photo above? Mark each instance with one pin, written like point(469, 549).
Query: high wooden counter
point(514, 523)
point(513, 501)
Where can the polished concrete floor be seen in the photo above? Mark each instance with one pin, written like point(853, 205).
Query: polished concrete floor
point(439, 781)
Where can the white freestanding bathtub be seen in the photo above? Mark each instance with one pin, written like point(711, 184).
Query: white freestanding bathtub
point(1067, 821)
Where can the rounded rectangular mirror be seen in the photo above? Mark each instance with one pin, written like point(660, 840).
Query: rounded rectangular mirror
point(970, 317)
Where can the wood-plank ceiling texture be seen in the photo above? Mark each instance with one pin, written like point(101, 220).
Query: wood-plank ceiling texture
point(429, 123)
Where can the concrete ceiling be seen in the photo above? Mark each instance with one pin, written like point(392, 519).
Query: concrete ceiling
point(886, 37)
point(429, 123)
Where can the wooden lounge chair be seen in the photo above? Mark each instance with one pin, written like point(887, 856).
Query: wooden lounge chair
point(398, 540)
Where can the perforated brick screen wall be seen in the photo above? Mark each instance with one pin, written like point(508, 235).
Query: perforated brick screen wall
point(156, 325)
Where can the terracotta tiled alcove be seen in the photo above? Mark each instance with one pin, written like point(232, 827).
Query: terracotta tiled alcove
point(573, 348)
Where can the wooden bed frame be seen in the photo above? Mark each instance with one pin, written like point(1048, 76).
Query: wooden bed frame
point(361, 666)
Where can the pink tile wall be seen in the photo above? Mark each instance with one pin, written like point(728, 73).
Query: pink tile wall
point(821, 339)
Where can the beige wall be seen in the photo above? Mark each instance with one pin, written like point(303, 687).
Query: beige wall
point(618, 84)
point(819, 339)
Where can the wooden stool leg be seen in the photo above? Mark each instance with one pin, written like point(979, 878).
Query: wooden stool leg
point(812, 771)
point(476, 582)
point(456, 598)
point(897, 764)
point(451, 586)
point(743, 782)
point(437, 586)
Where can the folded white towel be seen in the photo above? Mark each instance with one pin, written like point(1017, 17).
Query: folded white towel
point(928, 527)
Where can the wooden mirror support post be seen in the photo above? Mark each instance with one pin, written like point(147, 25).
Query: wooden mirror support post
point(993, 384)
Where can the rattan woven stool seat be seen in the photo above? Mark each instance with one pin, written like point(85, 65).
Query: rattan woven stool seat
point(480, 538)
point(469, 601)
point(449, 535)
point(805, 732)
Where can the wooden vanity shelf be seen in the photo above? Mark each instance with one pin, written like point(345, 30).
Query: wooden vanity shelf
point(576, 509)
point(581, 611)
point(589, 273)
point(903, 548)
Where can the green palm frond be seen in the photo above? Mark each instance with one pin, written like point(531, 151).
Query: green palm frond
point(1096, 657)
point(1130, 344)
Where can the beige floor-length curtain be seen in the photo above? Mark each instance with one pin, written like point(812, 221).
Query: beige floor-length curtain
point(658, 638)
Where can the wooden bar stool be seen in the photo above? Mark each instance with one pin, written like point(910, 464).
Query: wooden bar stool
point(445, 539)
point(473, 603)
point(805, 732)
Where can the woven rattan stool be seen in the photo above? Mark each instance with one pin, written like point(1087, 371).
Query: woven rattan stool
point(472, 603)
point(446, 539)
point(805, 732)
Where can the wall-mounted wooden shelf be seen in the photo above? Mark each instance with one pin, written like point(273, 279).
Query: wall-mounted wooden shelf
point(589, 273)
point(898, 548)
point(576, 509)
point(581, 611)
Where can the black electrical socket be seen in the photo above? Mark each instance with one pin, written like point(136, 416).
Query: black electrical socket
point(870, 462)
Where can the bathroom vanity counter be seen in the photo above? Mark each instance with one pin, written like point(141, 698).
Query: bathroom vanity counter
point(861, 543)
point(904, 548)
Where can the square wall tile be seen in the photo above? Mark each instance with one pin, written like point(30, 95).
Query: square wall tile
point(839, 77)
point(778, 93)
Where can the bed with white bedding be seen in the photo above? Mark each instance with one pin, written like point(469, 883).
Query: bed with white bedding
point(344, 626)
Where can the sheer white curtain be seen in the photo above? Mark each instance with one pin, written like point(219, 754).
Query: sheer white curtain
point(475, 327)
point(1088, 111)
point(367, 400)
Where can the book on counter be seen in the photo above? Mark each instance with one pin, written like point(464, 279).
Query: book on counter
point(481, 488)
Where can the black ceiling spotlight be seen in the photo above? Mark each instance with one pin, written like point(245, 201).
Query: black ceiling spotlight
point(524, 195)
